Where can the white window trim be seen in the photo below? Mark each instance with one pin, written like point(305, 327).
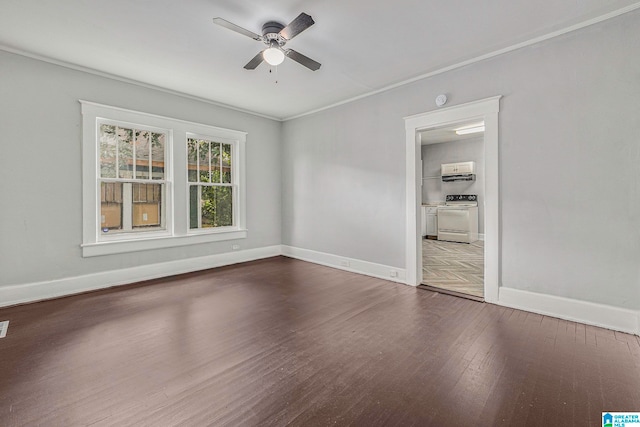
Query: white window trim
point(235, 179)
point(177, 231)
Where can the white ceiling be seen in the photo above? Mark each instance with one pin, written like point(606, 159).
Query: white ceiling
point(448, 133)
point(363, 46)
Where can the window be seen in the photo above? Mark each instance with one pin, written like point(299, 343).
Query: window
point(132, 179)
point(152, 182)
point(210, 176)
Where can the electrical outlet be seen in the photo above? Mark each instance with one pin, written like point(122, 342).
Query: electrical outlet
point(393, 273)
point(345, 263)
point(235, 247)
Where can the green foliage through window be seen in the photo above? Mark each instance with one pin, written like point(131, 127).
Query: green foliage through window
point(209, 172)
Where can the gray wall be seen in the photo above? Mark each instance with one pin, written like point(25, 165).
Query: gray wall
point(434, 155)
point(41, 170)
point(569, 155)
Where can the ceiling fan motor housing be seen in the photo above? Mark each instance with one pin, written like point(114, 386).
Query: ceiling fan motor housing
point(271, 31)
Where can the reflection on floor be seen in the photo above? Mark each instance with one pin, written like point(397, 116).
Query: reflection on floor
point(457, 267)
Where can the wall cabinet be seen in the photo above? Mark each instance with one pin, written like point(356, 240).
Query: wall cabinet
point(458, 168)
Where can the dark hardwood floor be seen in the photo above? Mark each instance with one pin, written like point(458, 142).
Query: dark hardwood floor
point(284, 342)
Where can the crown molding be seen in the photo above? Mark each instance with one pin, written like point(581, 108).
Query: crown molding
point(492, 54)
point(489, 55)
point(116, 77)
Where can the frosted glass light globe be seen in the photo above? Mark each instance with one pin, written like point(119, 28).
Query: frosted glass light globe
point(273, 56)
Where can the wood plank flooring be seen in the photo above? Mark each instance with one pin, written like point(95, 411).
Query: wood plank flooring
point(284, 342)
point(452, 266)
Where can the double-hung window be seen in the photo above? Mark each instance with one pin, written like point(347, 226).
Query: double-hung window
point(133, 188)
point(211, 186)
point(153, 182)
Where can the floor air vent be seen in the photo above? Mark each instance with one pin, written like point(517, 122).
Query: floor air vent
point(3, 328)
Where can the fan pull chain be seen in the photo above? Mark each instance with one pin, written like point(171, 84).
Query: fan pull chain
point(271, 71)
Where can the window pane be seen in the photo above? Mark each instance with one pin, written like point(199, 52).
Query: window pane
point(142, 155)
point(157, 155)
point(193, 206)
point(215, 162)
point(108, 151)
point(130, 206)
point(203, 161)
point(226, 163)
point(110, 206)
point(216, 207)
point(147, 206)
point(192, 160)
point(125, 152)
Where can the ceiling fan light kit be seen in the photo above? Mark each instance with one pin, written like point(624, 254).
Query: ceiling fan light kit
point(274, 54)
point(275, 36)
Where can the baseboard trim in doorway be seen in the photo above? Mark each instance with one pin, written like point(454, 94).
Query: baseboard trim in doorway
point(38, 291)
point(452, 293)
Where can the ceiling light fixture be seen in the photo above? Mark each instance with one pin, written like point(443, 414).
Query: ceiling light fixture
point(273, 54)
point(475, 128)
point(275, 36)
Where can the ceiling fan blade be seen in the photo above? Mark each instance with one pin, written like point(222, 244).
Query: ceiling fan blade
point(257, 60)
point(236, 28)
point(298, 25)
point(303, 60)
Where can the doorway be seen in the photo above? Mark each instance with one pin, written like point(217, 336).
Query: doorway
point(452, 230)
point(484, 110)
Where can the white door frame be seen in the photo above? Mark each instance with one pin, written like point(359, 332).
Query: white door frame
point(487, 110)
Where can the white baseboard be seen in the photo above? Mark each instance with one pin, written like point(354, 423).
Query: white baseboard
point(367, 268)
point(30, 292)
point(605, 316)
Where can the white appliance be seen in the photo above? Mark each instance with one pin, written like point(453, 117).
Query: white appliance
point(458, 218)
point(429, 221)
point(462, 171)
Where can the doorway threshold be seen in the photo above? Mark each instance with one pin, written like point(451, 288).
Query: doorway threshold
point(449, 292)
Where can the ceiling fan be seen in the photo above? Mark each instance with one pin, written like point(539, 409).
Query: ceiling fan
point(275, 36)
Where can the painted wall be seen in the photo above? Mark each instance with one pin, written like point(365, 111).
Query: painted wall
point(434, 155)
point(40, 170)
point(569, 155)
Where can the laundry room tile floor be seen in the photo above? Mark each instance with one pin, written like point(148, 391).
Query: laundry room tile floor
point(451, 266)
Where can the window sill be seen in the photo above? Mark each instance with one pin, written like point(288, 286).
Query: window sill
point(123, 246)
